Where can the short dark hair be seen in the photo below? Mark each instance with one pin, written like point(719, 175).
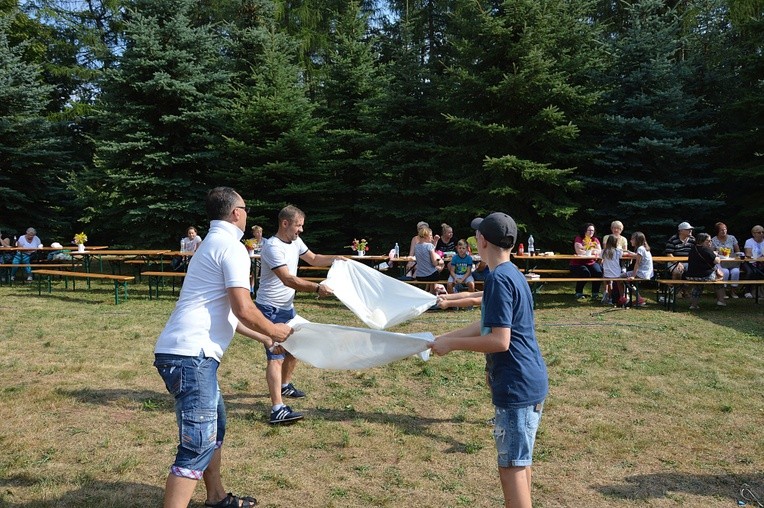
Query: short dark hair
point(290, 213)
point(220, 202)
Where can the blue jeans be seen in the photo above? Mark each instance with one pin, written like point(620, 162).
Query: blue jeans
point(199, 410)
point(515, 434)
point(22, 258)
point(276, 315)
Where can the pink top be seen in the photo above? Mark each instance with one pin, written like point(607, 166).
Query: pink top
point(588, 243)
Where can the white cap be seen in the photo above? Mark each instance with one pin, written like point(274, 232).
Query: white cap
point(684, 225)
point(56, 245)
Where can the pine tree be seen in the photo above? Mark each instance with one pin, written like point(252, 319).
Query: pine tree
point(512, 98)
point(34, 161)
point(162, 116)
point(648, 157)
point(273, 146)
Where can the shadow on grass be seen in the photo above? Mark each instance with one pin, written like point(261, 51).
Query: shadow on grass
point(661, 485)
point(408, 424)
point(147, 399)
point(94, 494)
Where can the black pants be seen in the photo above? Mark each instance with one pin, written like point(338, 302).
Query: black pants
point(594, 271)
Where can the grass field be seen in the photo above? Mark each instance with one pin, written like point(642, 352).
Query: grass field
point(646, 408)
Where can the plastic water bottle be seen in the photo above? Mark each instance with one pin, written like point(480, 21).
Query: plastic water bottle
point(397, 250)
point(531, 249)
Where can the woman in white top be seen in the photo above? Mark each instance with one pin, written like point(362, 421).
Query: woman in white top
point(28, 241)
point(754, 249)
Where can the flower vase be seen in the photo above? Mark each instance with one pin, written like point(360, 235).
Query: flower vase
point(80, 247)
point(361, 253)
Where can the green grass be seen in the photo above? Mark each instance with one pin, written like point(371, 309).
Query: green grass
point(646, 408)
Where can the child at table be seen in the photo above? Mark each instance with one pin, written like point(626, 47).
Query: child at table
point(611, 268)
point(461, 269)
point(643, 263)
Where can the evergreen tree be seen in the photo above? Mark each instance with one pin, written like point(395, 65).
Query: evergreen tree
point(740, 160)
point(273, 147)
point(513, 96)
point(349, 91)
point(33, 156)
point(648, 155)
point(162, 118)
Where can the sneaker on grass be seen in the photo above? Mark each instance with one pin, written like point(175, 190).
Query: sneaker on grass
point(284, 415)
point(290, 391)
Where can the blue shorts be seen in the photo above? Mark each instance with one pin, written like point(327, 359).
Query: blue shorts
point(199, 410)
point(275, 315)
point(515, 434)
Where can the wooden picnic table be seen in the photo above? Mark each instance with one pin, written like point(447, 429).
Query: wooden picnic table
point(142, 253)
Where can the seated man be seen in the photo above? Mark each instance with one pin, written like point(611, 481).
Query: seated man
point(24, 257)
point(680, 245)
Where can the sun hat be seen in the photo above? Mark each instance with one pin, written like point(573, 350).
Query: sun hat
point(684, 225)
point(498, 228)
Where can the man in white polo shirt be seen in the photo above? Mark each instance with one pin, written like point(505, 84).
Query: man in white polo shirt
point(214, 303)
point(275, 298)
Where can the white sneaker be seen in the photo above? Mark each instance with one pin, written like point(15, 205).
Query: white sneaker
point(748, 295)
point(734, 295)
point(29, 278)
point(720, 303)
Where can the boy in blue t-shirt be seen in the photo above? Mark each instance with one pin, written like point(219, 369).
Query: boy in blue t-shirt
point(515, 368)
point(461, 269)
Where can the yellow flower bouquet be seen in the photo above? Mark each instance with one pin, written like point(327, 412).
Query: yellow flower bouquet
point(80, 238)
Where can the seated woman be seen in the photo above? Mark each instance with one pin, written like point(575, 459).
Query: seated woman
point(446, 242)
point(189, 244)
point(754, 249)
point(586, 244)
point(411, 265)
point(726, 246)
point(428, 263)
point(702, 262)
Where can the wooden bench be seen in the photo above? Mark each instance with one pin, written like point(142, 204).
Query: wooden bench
point(550, 271)
point(8, 268)
point(119, 280)
point(667, 288)
point(157, 276)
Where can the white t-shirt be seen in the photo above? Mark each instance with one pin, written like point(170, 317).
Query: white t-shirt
point(277, 253)
point(191, 245)
point(645, 268)
point(202, 319)
point(23, 242)
point(757, 248)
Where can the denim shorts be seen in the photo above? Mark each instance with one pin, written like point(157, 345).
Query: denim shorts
point(199, 410)
point(515, 434)
point(276, 315)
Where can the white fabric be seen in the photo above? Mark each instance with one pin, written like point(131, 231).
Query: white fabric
point(274, 254)
point(346, 348)
point(378, 300)
point(202, 318)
